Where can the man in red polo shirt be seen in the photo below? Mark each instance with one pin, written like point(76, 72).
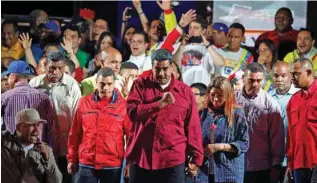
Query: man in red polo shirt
point(165, 126)
point(301, 149)
point(283, 36)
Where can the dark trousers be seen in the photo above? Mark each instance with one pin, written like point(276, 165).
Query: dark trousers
point(302, 175)
point(262, 176)
point(62, 165)
point(314, 176)
point(89, 175)
point(174, 174)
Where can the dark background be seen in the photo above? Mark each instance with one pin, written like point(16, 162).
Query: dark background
point(109, 9)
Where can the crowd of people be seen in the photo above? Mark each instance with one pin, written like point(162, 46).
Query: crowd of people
point(166, 105)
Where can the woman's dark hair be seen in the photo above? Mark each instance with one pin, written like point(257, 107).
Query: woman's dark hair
point(102, 36)
point(125, 47)
point(269, 43)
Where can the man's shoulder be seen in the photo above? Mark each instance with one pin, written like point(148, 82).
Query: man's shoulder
point(88, 81)
point(35, 82)
point(290, 56)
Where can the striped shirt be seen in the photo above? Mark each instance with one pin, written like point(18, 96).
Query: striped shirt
point(21, 97)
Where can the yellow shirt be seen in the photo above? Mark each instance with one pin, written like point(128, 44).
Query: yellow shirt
point(16, 51)
point(311, 55)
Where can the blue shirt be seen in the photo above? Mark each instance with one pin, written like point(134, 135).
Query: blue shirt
point(283, 101)
point(37, 52)
point(227, 166)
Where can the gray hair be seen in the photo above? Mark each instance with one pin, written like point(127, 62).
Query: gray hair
point(55, 56)
point(162, 55)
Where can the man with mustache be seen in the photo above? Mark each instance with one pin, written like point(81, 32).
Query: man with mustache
point(64, 92)
point(301, 146)
point(165, 126)
point(282, 93)
point(305, 48)
point(266, 130)
point(23, 157)
point(283, 36)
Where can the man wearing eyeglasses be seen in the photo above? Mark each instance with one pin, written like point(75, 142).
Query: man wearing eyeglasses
point(139, 45)
point(301, 147)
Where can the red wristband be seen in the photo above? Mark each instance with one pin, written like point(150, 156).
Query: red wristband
point(169, 11)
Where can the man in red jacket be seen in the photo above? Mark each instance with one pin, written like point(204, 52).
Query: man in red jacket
point(302, 123)
point(165, 126)
point(96, 139)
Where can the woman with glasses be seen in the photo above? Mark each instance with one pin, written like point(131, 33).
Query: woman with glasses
point(267, 58)
point(225, 135)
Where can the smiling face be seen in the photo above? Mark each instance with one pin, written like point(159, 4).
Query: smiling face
point(304, 42)
point(9, 36)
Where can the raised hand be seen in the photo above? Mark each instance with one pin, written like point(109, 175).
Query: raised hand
point(206, 42)
point(137, 5)
point(187, 18)
point(165, 4)
point(125, 17)
point(25, 40)
point(68, 45)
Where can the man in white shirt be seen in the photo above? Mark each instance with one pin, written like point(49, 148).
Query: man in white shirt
point(139, 45)
point(64, 93)
point(196, 57)
point(236, 58)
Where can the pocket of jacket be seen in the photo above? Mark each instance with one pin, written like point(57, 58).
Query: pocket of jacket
point(312, 114)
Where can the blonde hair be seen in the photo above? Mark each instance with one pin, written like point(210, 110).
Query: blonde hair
point(224, 84)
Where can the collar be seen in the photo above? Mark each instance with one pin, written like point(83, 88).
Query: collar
point(292, 90)
point(311, 90)
point(290, 32)
point(172, 84)
point(253, 97)
point(114, 97)
point(22, 83)
point(219, 46)
point(137, 57)
point(15, 47)
point(311, 53)
point(62, 81)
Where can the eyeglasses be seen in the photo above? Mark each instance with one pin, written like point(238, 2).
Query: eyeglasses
point(137, 42)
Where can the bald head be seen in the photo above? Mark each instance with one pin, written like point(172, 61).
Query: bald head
point(302, 73)
point(281, 77)
point(303, 63)
point(112, 60)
